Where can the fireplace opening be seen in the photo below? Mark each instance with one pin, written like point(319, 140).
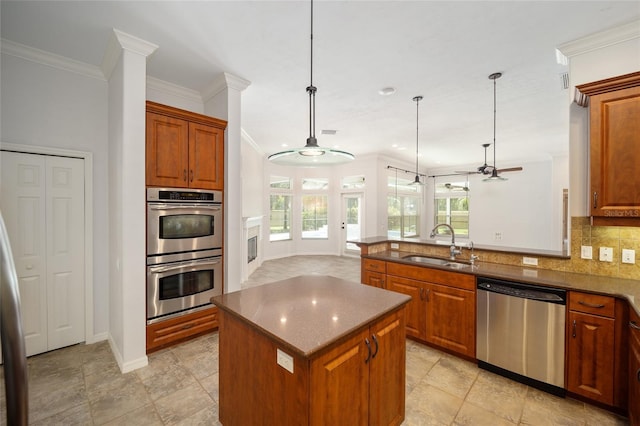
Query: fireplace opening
point(252, 249)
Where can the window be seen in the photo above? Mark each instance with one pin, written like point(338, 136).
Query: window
point(314, 217)
point(280, 209)
point(315, 184)
point(353, 182)
point(403, 208)
point(451, 206)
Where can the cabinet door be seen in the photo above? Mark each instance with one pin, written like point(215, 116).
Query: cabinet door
point(167, 151)
point(415, 309)
point(451, 318)
point(387, 371)
point(206, 157)
point(634, 369)
point(374, 279)
point(340, 384)
point(590, 358)
point(615, 154)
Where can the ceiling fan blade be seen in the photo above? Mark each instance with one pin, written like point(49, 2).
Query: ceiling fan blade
point(510, 169)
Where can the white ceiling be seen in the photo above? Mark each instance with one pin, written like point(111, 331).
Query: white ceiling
point(443, 50)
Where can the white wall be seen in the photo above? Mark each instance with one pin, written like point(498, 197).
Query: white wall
point(46, 106)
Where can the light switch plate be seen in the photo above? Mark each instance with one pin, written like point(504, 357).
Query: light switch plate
point(586, 252)
point(628, 256)
point(284, 360)
point(533, 261)
point(395, 246)
point(606, 254)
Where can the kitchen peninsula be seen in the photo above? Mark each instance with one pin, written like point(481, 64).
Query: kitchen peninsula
point(312, 350)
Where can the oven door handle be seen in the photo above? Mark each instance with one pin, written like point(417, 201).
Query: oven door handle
point(184, 206)
point(180, 265)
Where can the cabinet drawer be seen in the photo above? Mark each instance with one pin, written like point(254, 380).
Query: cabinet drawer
point(374, 279)
point(374, 265)
point(174, 330)
point(451, 279)
point(592, 304)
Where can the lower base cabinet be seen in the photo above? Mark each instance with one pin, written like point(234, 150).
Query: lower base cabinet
point(358, 381)
point(175, 330)
point(634, 368)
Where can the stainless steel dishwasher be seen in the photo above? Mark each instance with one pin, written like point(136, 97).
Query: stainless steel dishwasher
point(521, 332)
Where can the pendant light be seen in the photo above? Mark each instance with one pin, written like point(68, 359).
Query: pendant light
point(311, 155)
point(494, 173)
point(417, 100)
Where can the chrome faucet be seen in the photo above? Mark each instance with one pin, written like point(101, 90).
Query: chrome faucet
point(453, 251)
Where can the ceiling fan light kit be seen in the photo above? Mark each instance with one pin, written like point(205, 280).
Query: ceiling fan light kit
point(311, 155)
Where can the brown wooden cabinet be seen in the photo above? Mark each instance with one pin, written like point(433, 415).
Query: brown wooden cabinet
point(596, 366)
point(634, 368)
point(184, 149)
point(442, 310)
point(169, 332)
point(373, 272)
point(366, 368)
point(614, 131)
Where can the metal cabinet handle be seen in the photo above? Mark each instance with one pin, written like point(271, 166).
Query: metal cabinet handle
point(375, 340)
point(187, 326)
point(595, 200)
point(421, 293)
point(184, 175)
point(426, 294)
point(590, 305)
point(366, 341)
point(191, 171)
point(574, 329)
point(633, 325)
point(638, 374)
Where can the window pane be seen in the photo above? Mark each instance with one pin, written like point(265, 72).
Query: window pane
point(280, 182)
point(280, 218)
point(455, 212)
point(394, 215)
point(314, 216)
point(402, 184)
point(315, 183)
point(353, 182)
point(410, 217)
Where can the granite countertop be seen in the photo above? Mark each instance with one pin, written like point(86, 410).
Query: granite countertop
point(308, 313)
point(433, 242)
point(618, 287)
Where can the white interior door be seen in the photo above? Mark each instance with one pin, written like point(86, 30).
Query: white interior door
point(352, 222)
point(42, 200)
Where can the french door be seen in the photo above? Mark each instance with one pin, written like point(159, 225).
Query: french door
point(352, 222)
point(42, 201)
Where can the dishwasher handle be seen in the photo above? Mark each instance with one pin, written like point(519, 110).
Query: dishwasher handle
point(524, 291)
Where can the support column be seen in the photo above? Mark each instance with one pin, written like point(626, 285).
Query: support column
point(125, 67)
point(223, 100)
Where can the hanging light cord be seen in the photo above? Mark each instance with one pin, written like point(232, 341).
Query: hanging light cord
point(494, 121)
point(417, 99)
point(311, 89)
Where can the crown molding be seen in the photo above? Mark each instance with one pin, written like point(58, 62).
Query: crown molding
point(224, 81)
point(120, 41)
point(173, 89)
point(601, 39)
point(244, 136)
point(32, 54)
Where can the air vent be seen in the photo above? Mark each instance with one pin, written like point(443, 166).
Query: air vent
point(329, 132)
point(564, 80)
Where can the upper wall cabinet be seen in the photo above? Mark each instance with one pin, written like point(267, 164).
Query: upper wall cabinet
point(614, 129)
point(184, 149)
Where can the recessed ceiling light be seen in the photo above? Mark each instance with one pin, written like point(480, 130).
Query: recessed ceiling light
point(386, 91)
point(395, 145)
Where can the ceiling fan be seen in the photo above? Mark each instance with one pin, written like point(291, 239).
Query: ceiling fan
point(485, 169)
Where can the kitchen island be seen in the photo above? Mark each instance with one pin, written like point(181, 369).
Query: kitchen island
point(312, 350)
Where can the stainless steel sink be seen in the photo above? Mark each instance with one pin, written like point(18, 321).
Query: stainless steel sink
point(436, 261)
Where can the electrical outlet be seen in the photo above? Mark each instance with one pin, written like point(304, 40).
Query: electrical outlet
point(628, 256)
point(532, 261)
point(586, 252)
point(284, 360)
point(498, 236)
point(395, 246)
point(606, 254)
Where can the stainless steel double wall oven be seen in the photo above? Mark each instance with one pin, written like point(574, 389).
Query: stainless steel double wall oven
point(184, 250)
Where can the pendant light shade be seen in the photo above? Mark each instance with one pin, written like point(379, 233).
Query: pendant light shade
point(417, 100)
point(494, 174)
point(311, 155)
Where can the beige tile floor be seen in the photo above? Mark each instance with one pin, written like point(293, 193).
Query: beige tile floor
point(81, 385)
